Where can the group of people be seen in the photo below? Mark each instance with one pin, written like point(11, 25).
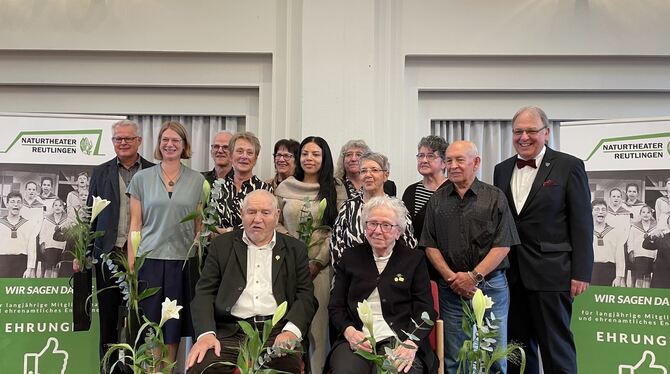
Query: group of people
point(524, 241)
point(622, 259)
point(34, 228)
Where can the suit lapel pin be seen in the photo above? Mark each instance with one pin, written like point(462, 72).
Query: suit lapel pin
point(277, 257)
point(546, 164)
point(399, 278)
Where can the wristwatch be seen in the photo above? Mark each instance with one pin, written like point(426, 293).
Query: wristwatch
point(476, 276)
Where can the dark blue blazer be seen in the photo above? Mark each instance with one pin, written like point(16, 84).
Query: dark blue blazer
point(105, 184)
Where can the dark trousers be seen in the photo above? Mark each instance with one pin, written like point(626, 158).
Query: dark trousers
point(541, 318)
point(109, 302)
point(289, 363)
point(343, 360)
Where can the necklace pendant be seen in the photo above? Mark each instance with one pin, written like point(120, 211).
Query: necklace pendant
point(170, 183)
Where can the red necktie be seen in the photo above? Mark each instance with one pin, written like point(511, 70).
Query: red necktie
point(521, 163)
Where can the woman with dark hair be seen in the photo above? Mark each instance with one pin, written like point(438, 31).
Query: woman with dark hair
point(298, 196)
point(284, 156)
point(160, 196)
point(431, 165)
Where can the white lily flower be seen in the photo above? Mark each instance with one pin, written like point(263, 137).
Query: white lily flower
point(365, 314)
point(480, 303)
point(135, 238)
point(98, 205)
point(169, 310)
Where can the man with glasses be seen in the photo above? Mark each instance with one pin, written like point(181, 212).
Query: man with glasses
point(467, 233)
point(548, 194)
point(109, 181)
point(220, 152)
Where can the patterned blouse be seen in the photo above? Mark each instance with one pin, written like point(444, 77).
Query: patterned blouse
point(349, 231)
point(230, 202)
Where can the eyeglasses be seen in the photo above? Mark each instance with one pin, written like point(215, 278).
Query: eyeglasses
point(427, 156)
point(168, 140)
point(216, 147)
point(285, 156)
point(385, 227)
point(529, 132)
point(352, 154)
point(371, 171)
point(128, 140)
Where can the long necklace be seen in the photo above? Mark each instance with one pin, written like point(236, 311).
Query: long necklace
point(171, 180)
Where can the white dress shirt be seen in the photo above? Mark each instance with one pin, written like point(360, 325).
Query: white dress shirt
point(522, 180)
point(257, 298)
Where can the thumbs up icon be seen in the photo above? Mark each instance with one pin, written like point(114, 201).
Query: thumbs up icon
point(49, 360)
point(646, 365)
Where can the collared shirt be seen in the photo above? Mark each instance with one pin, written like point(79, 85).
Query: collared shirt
point(125, 176)
point(466, 229)
point(257, 298)
point(210, 176)
point(522, 181)
point(349, 231)
point(230, 202)
point(128, 173)
point(19, 238)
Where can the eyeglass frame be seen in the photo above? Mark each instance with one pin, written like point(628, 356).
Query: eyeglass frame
point(371, 171)
point(529, 132)
point(216, 147)
point(421, 156)
point(127, 140)
point(380, 225)
point(285, 156)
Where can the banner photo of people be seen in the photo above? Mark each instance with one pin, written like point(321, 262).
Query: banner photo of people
point(624, 317)
point(45, 166)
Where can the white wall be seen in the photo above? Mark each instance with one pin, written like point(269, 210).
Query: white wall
point(372, 69)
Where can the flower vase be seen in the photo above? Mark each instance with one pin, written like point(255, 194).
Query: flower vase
point(81, 301)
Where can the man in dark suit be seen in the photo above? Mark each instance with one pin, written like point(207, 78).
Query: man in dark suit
point(109, 181)
point(247, 274)
point(549, 197)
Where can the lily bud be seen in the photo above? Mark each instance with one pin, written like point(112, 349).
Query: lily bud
point(98, 205)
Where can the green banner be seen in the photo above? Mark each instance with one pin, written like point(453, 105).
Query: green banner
point(622, 330)
point(37, 336)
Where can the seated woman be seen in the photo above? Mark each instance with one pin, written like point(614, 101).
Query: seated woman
point(349, 228)
point(394, 280)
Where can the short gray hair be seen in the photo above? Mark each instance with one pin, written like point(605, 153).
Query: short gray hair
point(392, 203)
point(275, 203)
point(126, 123)
point(537, 111)
point(354, 143)
point(377, 157)
point(434, 143)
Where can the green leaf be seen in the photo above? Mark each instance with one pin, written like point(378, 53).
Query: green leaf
point(147, 293)
point(279, 313)
point(248, 330)
point(191, 216)
point(367, 355)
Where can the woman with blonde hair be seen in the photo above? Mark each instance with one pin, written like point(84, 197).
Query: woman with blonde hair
point(160, 197)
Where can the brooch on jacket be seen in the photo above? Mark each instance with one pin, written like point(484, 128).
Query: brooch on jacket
point(399, 278)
